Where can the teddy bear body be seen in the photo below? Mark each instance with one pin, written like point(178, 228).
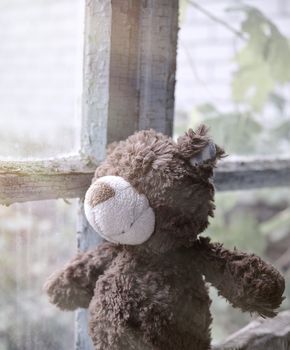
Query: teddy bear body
point(151, 198)
point(150, 302)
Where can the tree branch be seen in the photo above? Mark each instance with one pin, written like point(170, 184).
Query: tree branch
point(217, 20)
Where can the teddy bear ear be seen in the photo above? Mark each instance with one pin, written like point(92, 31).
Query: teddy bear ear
point(193, 142)
point(197, 146)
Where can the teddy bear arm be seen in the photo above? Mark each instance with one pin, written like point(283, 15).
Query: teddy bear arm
point(73, 286)
point(245, 280)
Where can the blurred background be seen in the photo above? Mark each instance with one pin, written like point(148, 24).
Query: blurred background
point(232, 73)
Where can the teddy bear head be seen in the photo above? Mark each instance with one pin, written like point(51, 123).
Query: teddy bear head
point(152, 192)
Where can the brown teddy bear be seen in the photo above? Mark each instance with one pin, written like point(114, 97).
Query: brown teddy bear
point(150, 199)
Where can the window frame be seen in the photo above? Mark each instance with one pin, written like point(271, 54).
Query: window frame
point(128, 84)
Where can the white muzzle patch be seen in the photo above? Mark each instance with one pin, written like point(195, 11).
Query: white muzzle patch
point(118, 212)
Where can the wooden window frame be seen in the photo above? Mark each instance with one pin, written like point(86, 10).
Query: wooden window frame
point(128, 84)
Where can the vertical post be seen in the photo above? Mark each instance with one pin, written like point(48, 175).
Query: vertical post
point(96, 78)
point(129, 78)
point(95, 104)
point(142, 66)
point(157, 64)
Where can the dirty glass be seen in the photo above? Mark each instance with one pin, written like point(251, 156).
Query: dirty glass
point(40, 70)
point(36, 238)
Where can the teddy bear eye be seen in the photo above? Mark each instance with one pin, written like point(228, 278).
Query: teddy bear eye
point(209, 152)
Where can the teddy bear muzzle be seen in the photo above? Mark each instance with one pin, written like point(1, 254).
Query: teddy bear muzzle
point(118, 212)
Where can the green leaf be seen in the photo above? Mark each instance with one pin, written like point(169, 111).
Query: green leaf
point(263, 62)
point(253, 82)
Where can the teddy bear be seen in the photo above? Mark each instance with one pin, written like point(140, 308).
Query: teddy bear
point(146, 285)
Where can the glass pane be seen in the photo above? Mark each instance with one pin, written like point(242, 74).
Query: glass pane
point(35, 239)
point(255, 222)
point(233, 73)
point(40, 69)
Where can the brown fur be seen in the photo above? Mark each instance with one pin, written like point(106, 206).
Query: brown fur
point(153, 296)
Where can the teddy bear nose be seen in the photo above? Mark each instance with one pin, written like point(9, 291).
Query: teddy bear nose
point(99, 193)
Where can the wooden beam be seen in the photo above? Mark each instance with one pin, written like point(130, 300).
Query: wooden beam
point(261, 334)
point(23, 181)
point(51, 166)
point(252, 173)
point(71, 176)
